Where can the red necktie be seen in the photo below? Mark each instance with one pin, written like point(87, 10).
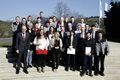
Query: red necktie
point(23, 37)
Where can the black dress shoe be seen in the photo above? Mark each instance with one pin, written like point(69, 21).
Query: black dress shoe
point(17, 71)
point(96, 74)
point(102, 74)
point(30, 66)
point(25, 71)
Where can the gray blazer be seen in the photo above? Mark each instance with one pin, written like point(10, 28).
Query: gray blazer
point(104, 46)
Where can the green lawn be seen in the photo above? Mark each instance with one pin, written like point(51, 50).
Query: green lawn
point(6, 45)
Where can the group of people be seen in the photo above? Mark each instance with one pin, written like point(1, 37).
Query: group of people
point(67, 42)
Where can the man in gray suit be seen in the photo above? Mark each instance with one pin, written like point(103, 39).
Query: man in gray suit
point(22, 48)
point(102, 49)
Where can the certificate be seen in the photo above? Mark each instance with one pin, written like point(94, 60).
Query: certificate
point(72, 51)
point(87, 50)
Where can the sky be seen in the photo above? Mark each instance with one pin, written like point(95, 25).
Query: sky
point(9, 9)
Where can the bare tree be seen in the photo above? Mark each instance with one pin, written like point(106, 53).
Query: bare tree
point(77, 15)
point(61, 10)
point(34, 17)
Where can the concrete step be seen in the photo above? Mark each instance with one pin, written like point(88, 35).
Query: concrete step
point(112, 58)
point(61, 68)
point(7, 56)
point(12, 60)
point(112, 61)
point(11, 65)
point(76, 76)
point(2, 60)
point(5, 48)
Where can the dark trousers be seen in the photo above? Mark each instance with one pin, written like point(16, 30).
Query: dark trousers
point(85, 59)
point(100, 58)
point(49, 56)
point(71, 57)
point(22, 55)
point(41, 60)
point(79, 59)
point(14, 44)
point(56, 58)
point(63, 57)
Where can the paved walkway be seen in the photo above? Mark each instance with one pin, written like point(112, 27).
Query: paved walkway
point(5, 40)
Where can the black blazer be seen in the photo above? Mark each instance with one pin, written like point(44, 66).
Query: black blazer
point(21, 44)
point(63, 38)
point(88, 31)
point(30, 22)
point(80, 40)
point(32, 36)
point(74, 27)
point(56, 29)
point(96, 35)
point(66, 25)
point(74, 43)
point(88, 43)
point(19, 29)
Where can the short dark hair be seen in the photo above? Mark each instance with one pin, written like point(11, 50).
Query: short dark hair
point(54, 16)
point(41, 12)
point(50, 18)
point(47, 22)
point(38, 18)
point(29, 16)
point(72, 17)
point(17, 17)
point(23, 18)
point(92, 25)
point(59, 22)
point(88, 32)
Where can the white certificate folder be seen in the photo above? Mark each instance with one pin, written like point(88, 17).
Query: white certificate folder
point(72, 51)
point(87, 49)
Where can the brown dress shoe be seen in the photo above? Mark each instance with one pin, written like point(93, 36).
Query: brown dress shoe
point(43, 69)
point(39, 70)
point(82, 75)
point(91, 75)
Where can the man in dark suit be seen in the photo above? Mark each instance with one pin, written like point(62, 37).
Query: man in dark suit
point(22, 48)
point(69, 29)
point(74, 24)
point(63, 23)
point(79, 55)
point(94, 35)
point(87, 28)
point(14, 27)
point(63, 37)
point(29, 21)
point(22, 24)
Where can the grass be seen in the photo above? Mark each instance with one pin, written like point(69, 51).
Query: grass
point(6, 45)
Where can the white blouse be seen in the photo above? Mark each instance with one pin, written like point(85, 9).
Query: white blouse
point(43, 41)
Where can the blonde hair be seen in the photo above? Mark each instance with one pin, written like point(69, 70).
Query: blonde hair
point(56, 33)
point(30, 24)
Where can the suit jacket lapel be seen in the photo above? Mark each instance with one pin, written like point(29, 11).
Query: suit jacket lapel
point(21, 36)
